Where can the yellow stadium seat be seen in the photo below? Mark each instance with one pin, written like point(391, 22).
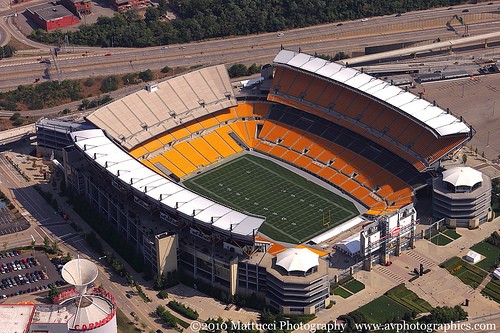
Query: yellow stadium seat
point(208, 121)
point(191, 154)
point(244, 110)
point(223, 132)
point(179, 161)
point(153, 145)
point(219, 144)
point(205, 149)
point(169, 165)
point(138, 152)
point(180, 133)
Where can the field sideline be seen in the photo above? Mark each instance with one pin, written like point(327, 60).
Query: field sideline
point(295, 208)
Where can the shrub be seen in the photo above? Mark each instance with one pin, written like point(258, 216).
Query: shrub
point(237, 70)
point(183, 310)
point(162, 294)
point(146, 75)
point(166, 69)
point(89, 82)
point(109, 84)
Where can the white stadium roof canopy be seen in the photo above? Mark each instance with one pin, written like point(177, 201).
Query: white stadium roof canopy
point(295, 259)
point(407, 103)
point(98, 147)
point(462, 176)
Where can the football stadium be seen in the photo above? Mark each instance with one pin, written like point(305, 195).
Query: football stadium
point(241, 188)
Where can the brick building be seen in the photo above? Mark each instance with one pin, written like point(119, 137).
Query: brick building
point(50, 17)
point(78, 7)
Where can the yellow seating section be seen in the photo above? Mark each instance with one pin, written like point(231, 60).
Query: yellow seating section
point(200, 143)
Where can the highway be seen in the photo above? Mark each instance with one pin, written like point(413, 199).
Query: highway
point(351, 36)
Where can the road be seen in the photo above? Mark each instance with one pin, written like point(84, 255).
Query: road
point(330, 38)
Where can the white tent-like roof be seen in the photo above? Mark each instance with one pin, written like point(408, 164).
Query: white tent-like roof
point(297, 259)
point(105, 153)
point(462, 176)
point(496, 273)
point(434, 117)
point(351, 245)
point(473, 257)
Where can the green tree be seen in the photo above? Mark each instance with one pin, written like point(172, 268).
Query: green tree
point(146, 75)
point(152, 14)
point(109, 84)
point(53, 292)
point(340, 55)
point(237, 70)
point(15, 116)
point(18, 122)
point(253, 69)
point(46, 241)
point(7, 51)
point(89, 82)
point(55, 246)
point(464, 158)
point(166, 69)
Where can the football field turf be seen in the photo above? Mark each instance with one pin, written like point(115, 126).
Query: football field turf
point(295, 208)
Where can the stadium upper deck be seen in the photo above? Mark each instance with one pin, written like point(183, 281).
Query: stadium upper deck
point(144, 114)
point(412, 127)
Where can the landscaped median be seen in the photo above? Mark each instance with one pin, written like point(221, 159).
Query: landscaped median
point(490, 253)
point(346, 287)
point(492, 290)
point(467, 273)
point(397, 303)
point(443, 236)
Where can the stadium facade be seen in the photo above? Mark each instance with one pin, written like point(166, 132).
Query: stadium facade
point(371, 141)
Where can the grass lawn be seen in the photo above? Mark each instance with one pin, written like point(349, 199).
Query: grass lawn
point(491, 254)
point(123, 323)
point(354, 286)
point(341, 292)
point(492, 289)
point(467, 273)
point(430, 234)
point(452, 233)
point(383, 309)
point(294, 207)
point(409, 299)
point(441, 240)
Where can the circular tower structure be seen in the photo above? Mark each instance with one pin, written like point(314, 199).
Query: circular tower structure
point(93, 310)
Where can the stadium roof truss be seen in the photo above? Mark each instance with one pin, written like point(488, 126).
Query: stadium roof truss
point(441, 122)
point(170, 195)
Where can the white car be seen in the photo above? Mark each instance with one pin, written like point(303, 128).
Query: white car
point(281, 34)
point(364, 20)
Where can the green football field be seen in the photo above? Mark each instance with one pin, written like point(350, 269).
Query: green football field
point(295, 208)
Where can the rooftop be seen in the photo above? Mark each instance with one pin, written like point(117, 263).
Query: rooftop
point(49, 12)
point(15, 318)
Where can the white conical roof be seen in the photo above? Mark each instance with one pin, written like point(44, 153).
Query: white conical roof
point(462, 176)
point(80, 273)
point(297, 259)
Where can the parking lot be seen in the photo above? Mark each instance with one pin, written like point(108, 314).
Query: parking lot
point(9, 223)
point(26, 272)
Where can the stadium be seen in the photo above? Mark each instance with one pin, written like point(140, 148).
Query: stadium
point(239, 189)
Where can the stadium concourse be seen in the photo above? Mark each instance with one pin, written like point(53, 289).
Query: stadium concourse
point(363, 140)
